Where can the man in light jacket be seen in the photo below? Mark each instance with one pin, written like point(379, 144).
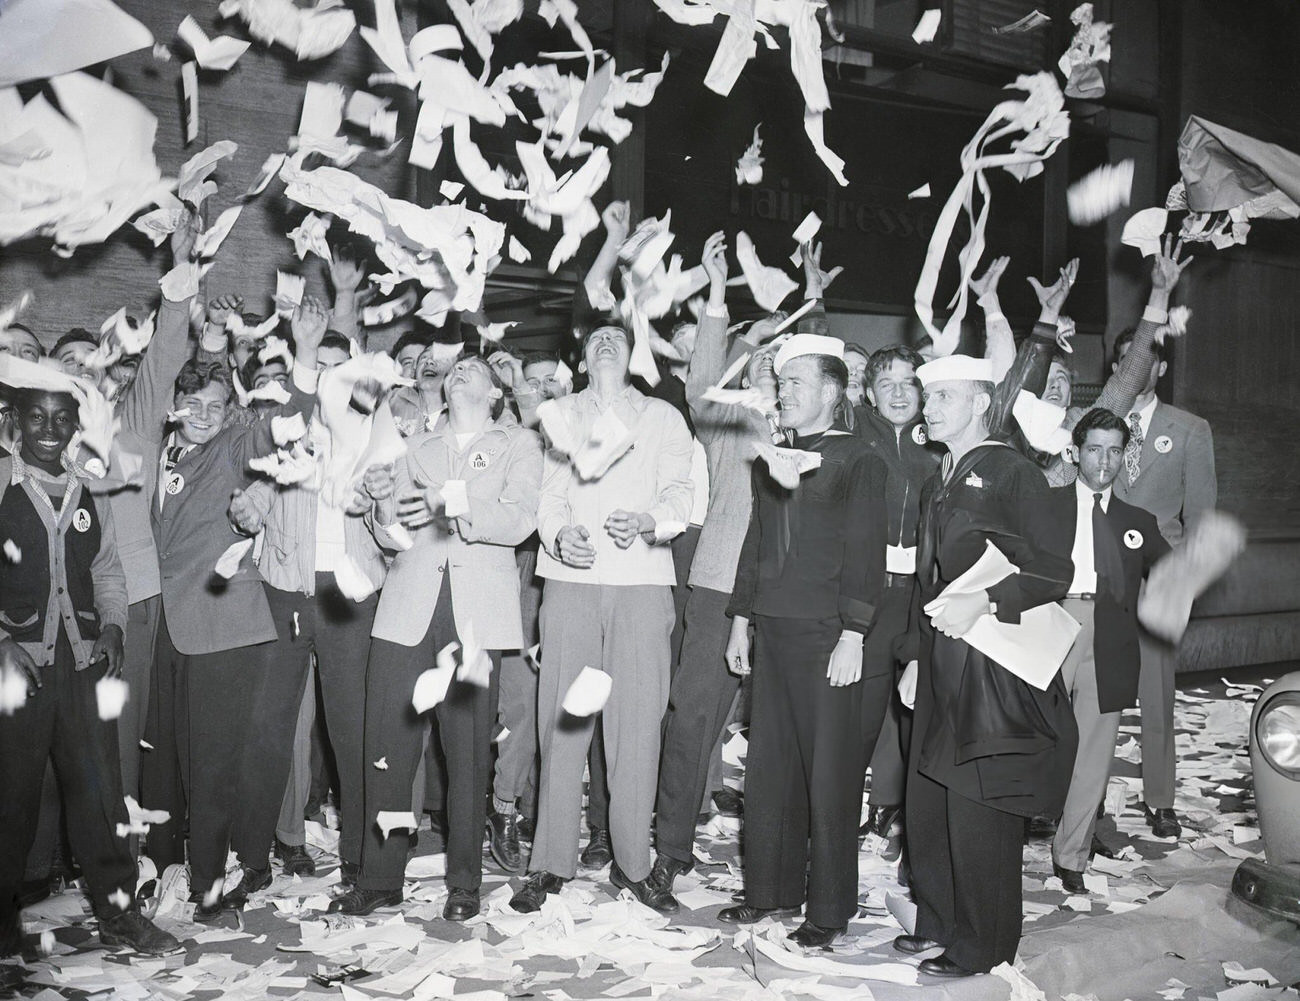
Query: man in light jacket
point(466, 493)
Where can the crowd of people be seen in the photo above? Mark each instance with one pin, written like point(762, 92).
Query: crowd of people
point(559, 582)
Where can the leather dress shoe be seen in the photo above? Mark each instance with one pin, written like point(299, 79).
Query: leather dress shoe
point(134, 930)
point(1164, 822)
point(1071, 879)
point(533, 893)
point(728, 802)
point(294, 859)
point(252, 881)
point(527, 827)
point(207, 911)
point(912, 944)
point(745, 914)
point(812, 936)
point(1100, 847)
point(666, 870)
point(598, 853)
point(942, 966)
point(656, 897)
point(362, 902)
point(503, 840)
point(461, 905)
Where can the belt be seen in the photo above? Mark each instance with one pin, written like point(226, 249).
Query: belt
point(1087, 596)
point(899, 579)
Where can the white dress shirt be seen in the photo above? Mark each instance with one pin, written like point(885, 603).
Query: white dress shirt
point(1083, 554)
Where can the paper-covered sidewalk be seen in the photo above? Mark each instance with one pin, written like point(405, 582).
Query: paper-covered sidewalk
point(1157, 922)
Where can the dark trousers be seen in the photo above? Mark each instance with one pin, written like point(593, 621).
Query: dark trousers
point(394, 730)
point(61, 722)
point(965, 874)
point(337, 631)
point(803, 783)
point(699, 702)
point(137, 668)
point(888, 757)
point(210, 716)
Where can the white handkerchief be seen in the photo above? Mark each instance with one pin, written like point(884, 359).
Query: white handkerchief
point(285, 430)
point(455, 498)
point(1144, 230)
point(588, 693)
point(110, 697)
point(13, 690)
point(228, 562)
point(395, 820)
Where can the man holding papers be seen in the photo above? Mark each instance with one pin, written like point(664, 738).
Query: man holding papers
point(988, 748)
point(811, 573)
point(1114, 546)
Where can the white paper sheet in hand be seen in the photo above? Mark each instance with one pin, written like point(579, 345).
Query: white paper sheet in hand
point(455, 498)
point(1033, 650)
point(228, 563)
point(588, 693)
point(110, 697)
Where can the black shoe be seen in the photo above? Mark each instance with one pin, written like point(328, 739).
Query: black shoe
point(294, 859)
point(461, 905)
point(1163, 822)
point(252, 881)
point(527, 827)
point(362, 902)
point(912, 944)
point(666, 870)
point(942, 966)
point(533, 893)
point(728, 802)
point(133, 929)
point(650, 893)
point(207, 910)
point(503, 840)
point(812, 936)
point(744, 914)
point(1100, 847)
point(348, 874)
point(597, 854)
point(1041, 827)
point(1071, 879)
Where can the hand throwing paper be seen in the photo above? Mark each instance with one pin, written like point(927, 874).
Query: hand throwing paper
point(588, 693)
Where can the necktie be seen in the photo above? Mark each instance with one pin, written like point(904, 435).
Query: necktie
point(174, 453)
point(1133, 451)
point(1110, 570)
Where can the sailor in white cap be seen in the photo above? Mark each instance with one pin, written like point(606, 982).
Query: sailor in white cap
point(987, 750)
point(810, 576)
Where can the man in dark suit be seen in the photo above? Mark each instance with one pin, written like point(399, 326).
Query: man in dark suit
point(1114, 546)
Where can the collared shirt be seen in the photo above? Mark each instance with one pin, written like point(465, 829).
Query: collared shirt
point(109, 583)
point(652, 476)
point(1144, 416)
point(1084, 554)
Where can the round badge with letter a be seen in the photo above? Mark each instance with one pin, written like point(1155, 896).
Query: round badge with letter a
point(918, 434)
point(1133, 539)
point(81, 520)
point(175, 484)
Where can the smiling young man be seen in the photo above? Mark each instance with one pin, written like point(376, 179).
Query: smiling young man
point(62, 613)
point(608, 605)
point(810, 576)
point(1114, 545)
point(217, 691)
point(891, 424)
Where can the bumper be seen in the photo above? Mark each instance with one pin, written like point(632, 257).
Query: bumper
point(1271, 888)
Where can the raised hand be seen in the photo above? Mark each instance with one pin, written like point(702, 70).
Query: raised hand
point(309, 323)
point(714, 259)
point(816, 280)
point(184, 236)
point(617, 218)
point(346, 274)
point(1052, 297)
point(1167, 267)
point(987, 283)
point(220, 308)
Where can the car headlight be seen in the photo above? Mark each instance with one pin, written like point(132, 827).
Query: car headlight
point(1278, 732)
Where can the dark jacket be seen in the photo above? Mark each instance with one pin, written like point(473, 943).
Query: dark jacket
point(818, 551)
point(978, 729)
point(1115, 641)
point(909, 459)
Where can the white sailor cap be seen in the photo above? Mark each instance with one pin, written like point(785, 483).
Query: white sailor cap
point(956, 368)
point(808, 344)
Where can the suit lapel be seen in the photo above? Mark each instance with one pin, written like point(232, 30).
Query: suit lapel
point(1160, 427)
